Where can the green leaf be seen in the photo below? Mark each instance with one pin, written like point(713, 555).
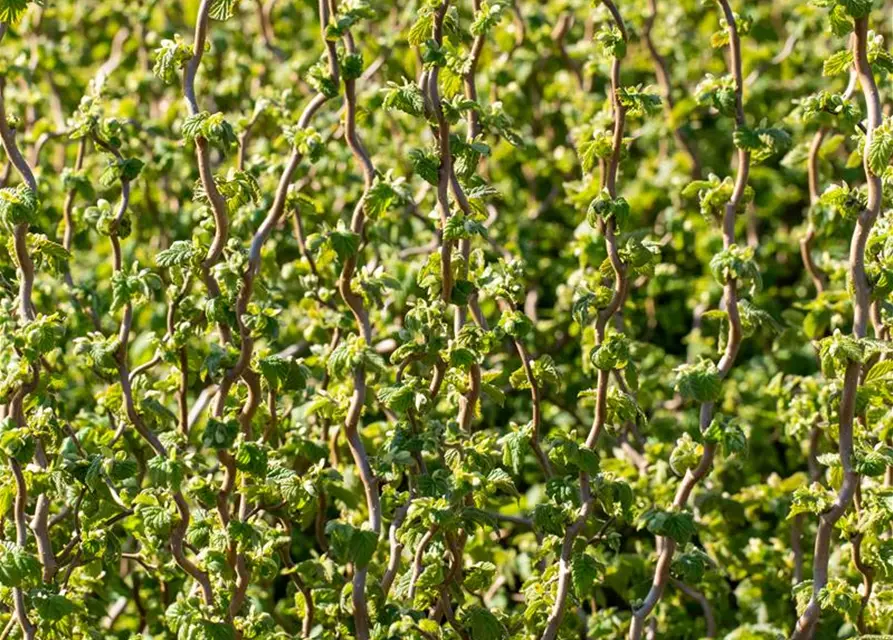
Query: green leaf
point(585, 572)
point(638, 102)
point(50, 606)
point(170, 57)
point(406, 97)
point(857, 8)
point(251, 457)
point(599, 146)
point(351, 544)
point(18, 567)
point(362, 547)
point(178, 254)
point(212, 127)
point(399, 398)
point(880, 150)
point(421, 29)
point(345, 243)
point(837, 352)
point(690, 566)
point(549, 519)
point(487, 17)
point(612, 41)
point(482, 624)
point(840, 596)
point(728, 434)
point(156, 518)
point(880, 371)
point(678, 525)
point(699, 381)
point(814, 499)
point(426, 164)
point(166, 472)
point(17, 205)
point(612, 354)
point(479, 576)
point(11, 11)
point(222, 9)
point(873, 462)
point(841, 21)
point(284, 373)
point(838, 63)
point(500, 480)
point(686, 455)
point(514, 447)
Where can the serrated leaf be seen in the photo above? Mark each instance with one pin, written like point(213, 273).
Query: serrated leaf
point(223, 9)
point(585, 572)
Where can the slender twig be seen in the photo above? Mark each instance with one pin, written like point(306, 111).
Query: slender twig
point(26, 315)
point(363, 324)
point(667, 546)
point(701, 599)
point(179, 531)
point(608, 182)
point(203, 159)
point(808, 621)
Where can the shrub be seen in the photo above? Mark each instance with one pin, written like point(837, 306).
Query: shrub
point(479, 320)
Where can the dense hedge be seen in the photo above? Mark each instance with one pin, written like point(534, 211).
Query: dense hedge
point(446, 319)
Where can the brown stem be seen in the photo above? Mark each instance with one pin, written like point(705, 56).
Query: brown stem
point(867, 572)
point(21, 500)
point(179, 532)
point(417, 559)
point(361, 316)
point(609, 182)
point(808, 622)
point(667, 546)
point(26, 315)
point(307, 625)
point(396, 548)
point(565, 22)
point(445, 170)
point(819, 278)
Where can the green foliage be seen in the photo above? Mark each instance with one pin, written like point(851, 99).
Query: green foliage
point(676, 525)
point(11, 11)
point(737, 263)
point(714, 194)
point(717, 92)
point(880, 151)
point(406, 97)
point(599, 146)
point(219, 434)
point(613, 353)
point(686, 455)
point(17, 206)
point(374, 389)
point(585, 572)
point(814, 499)
point(638, 102)
point(837, 352)
point(18, 567)
point(170, 57)
point(762, 142)
point(212, 127)
point(699, 381)
point(605, 208)
point(350, 544)
point(483, 625)
point(827, 108)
